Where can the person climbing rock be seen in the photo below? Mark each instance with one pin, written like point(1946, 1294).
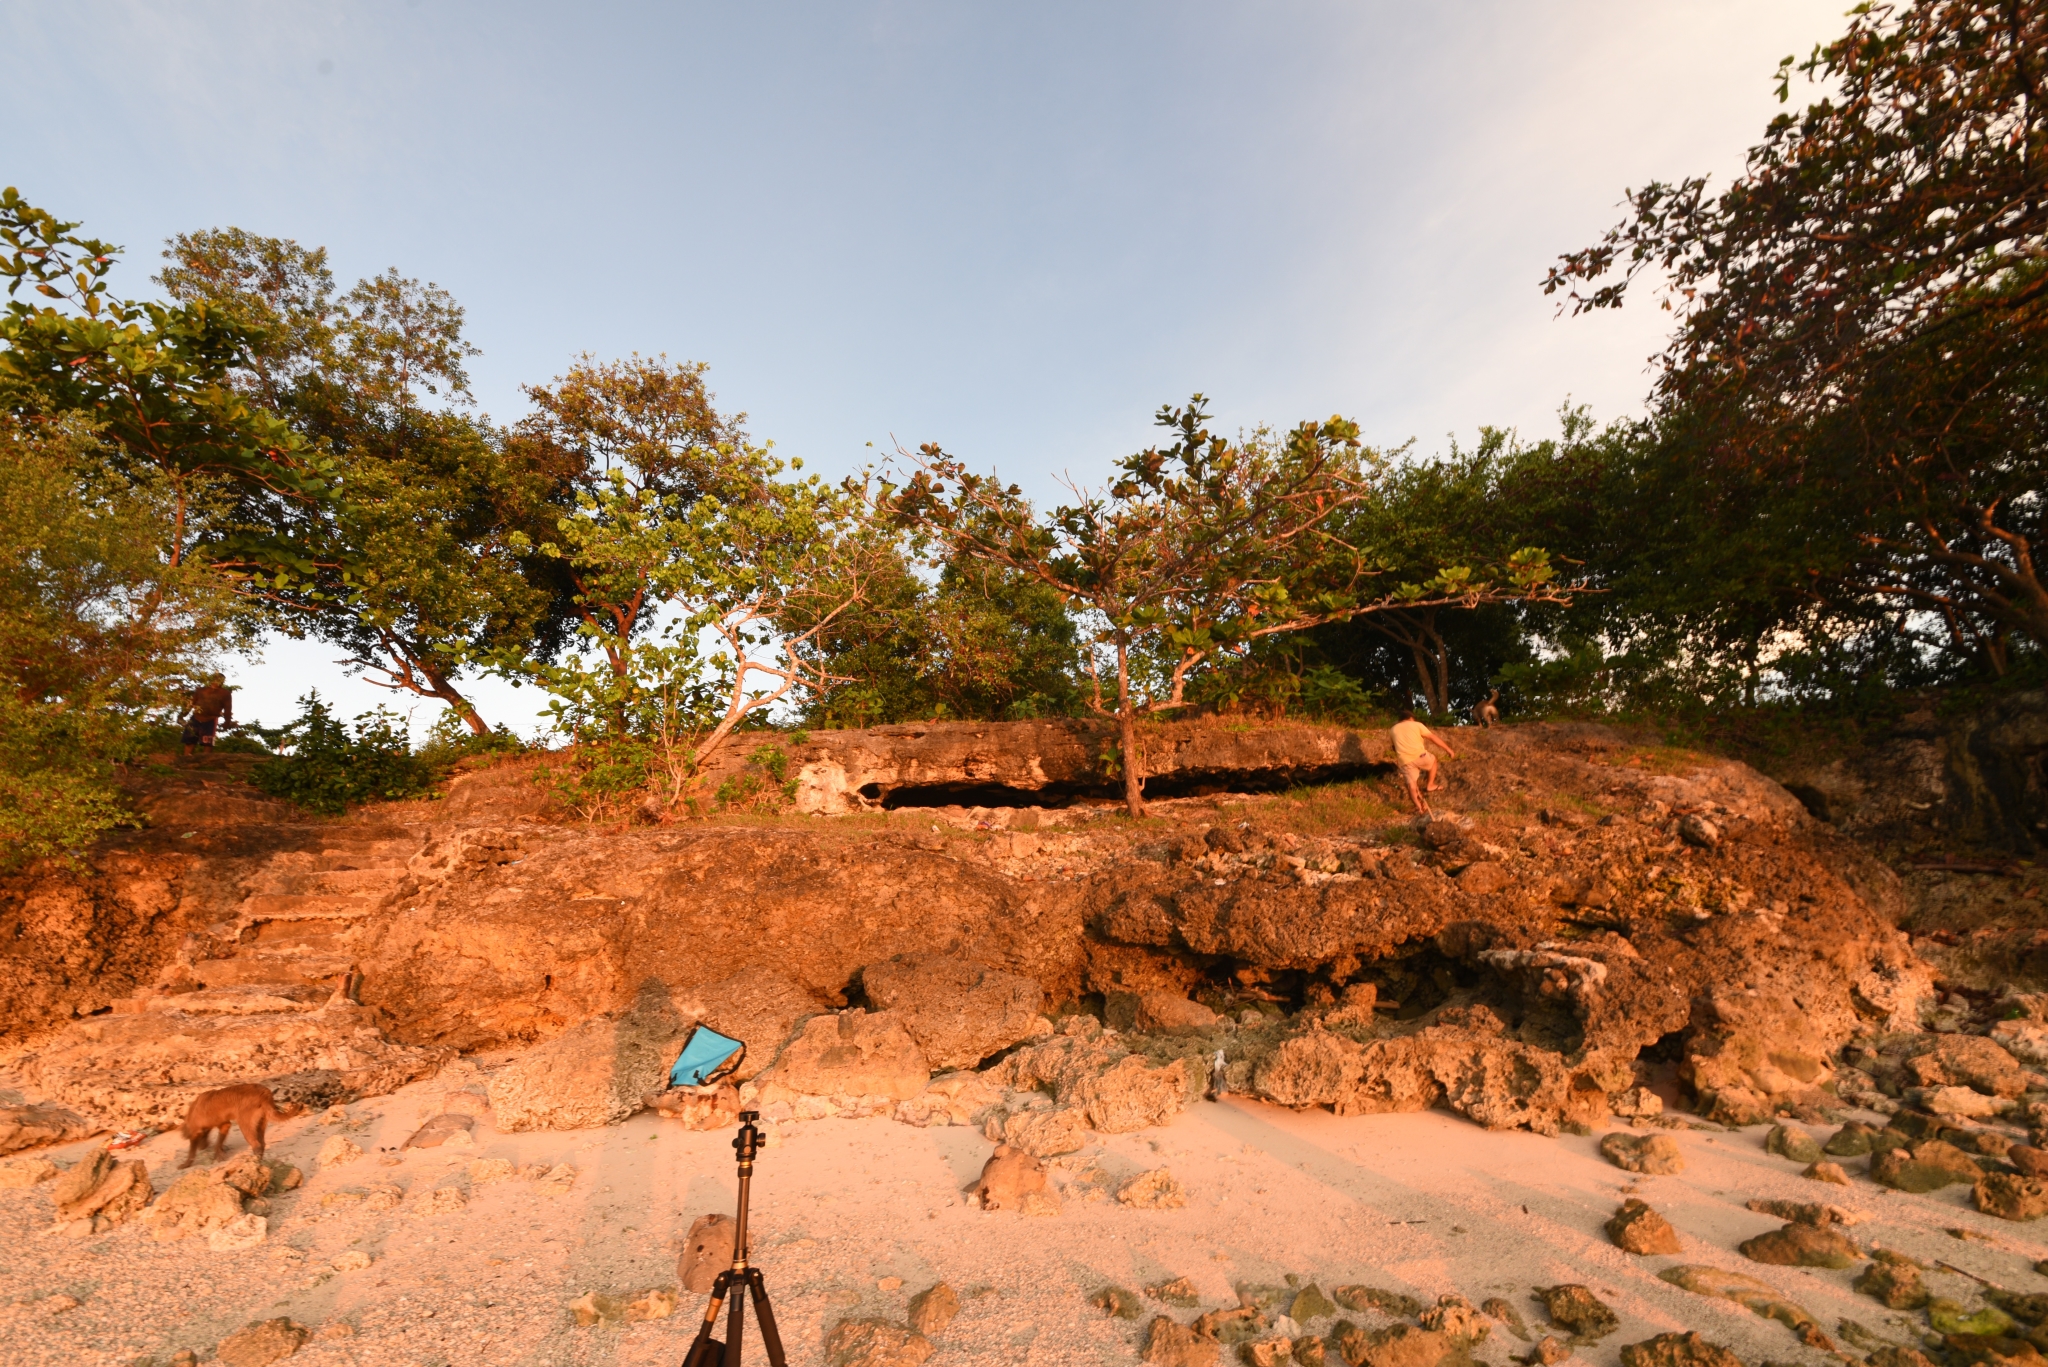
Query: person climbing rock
point(1411, 752)
point(212, 703)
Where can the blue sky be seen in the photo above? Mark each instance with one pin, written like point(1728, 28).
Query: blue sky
point(1016, 230)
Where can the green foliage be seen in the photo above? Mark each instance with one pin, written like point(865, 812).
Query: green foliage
point(58, 789)
point(328, 768)
point(595, 778)
point(1850, 413)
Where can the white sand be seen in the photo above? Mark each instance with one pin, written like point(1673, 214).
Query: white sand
point(1427, 1204)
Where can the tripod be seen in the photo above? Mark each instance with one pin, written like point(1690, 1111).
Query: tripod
point(706, 1351)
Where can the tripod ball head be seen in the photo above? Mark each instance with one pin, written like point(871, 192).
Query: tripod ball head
point(748, 1141)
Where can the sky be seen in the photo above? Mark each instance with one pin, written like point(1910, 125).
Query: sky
point(1016, 230)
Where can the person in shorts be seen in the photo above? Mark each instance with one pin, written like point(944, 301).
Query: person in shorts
point(1411, 753)
point(212, 704)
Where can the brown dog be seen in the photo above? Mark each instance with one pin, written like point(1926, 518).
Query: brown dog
point(247, 1104)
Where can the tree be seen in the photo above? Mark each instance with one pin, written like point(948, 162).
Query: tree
point(702, 577)
point(1196, 551)
point(1861, 352)
point(411, 567)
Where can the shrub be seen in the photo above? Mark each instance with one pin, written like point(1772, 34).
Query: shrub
point(325, 769)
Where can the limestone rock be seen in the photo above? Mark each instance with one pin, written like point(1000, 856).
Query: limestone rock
point(1654, 1154)
point(261, 1343)
point(1498, 1082)
point(1548, 1352)
point(1789, 1141)
point(102, 1191)
point(1236, 1324)
point(1009, 1176)
point(1677, 1350)
point(1819, 1214)
point(1179, 1291)
point(26, 1172)
point(1576, 1308)
point(1376, 1299)
point(1267, 1352)
point(1758, 1297)
point(1047, 1133)
point(486, 1170)
point(1851, 1141)
point(1402, 1345)
point(2011, 1197)
point(144, 1069)
point(1801, 1246)
point(2031, 1161)
point(1927, 1166)
point(1133, 1095)
point(1827, 1172)
point(1157, 1013)
point(933, 1308)
point(1636, 1228)
point(1763, 1043)
point(1169, 1344)
point(958, 1011)
point(1116, 1302)
point(196, 1203)
point(716, 1107)
point(706, 1252)
point(351, 1260)
point(1971, 1061)
point(244, 1231)
point(1154, 1190)
point(1309, 1351)
point(853, 1053)
point(592, 1074)
point(337, 1149)
point(440, 1129)
point(1310, 1303)
point(875, 1343)
point(441, 1201)
point(30, 1127)
point(1507, 1315)
point(756, 1006)
point(1458, 1318)
point(1896, 1286)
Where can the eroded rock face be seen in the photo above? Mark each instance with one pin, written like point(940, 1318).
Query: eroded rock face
point(958, 1011)
point(854, 1053)
point(596, 1073)
point(757, 1006)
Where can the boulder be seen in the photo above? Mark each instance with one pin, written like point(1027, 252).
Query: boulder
point(757, 1006)
point(1760, 1042)
point(592, 1074)
point(197, 1203)
point(1576, 1308)
point(1402, 1345)
point(26, 1172)
point(101, 1192)
point(1133, 1095)
point(1925, 1167)
point(1827, 1172)
point(958, 1011)
point(1789, 1141)
point(1798, 1245)
point(875, 1343)
point(933, 1308)
point(1636, 1228)
point(1117, 1303)
point(2031, 1161)
point(31, 1127)
point(1970, 1061)
point(852, 1053)
point(1045, 1133)
point(1170, 1344)
point(2011, 1197)
point(261, 1343)
point(1652, 1154)
point(1851, 1141)
point(1894, 1285)
point(706, 1252)
point(1819, 1214)
point(1157, 1013)
point(1007, 1179)
point(1677, 1350)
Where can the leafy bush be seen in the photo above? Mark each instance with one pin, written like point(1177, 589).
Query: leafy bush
point(326, 769)
point(57, 790)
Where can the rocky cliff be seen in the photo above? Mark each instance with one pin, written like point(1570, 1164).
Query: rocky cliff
point(1590, 903)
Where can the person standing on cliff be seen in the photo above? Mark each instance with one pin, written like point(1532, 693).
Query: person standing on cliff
point(1411, 752)
point(211, 704)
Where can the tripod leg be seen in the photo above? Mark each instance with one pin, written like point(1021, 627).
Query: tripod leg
point(704, 1346)
point(735, 1321)
point(766, 1314)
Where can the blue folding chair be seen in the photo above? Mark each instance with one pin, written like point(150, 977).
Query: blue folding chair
point(707, 1056)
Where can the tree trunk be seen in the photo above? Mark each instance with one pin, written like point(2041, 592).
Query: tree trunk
point(1127, 738)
